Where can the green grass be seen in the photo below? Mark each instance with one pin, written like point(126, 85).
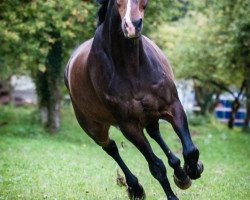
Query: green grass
point(69, 165)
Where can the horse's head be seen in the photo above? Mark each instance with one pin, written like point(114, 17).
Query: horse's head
point(131, 13)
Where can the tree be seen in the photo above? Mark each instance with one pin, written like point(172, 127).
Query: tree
point(190, 52)
point(211, 45)
point(233, 28)
point(159, 12)
point(38, 36)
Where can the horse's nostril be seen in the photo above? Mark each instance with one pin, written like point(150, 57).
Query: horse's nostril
point(138, 23)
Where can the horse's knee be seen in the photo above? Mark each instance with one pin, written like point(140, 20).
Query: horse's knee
point(158, 169)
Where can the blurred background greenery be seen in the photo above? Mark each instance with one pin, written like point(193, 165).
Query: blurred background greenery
point(207, 43)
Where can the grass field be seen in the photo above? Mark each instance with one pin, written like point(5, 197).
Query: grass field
point(34, 165)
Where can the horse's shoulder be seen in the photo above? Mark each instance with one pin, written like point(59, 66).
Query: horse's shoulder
point(81, 50)
point(77, 60)
point(157, 53)
point(85, 46)
point(149, 43)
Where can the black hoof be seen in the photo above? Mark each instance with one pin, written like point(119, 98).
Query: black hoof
point(185, 184)
point(194, 172)
point(200, 167)
point(136, 193)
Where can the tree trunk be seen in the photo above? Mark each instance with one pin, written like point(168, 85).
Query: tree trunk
point(5, 96)
point(44, 115)
point(199, 99)
point(48, 87)
point(215, 102)
point(53, 123)
point(244, 51)
point(203, 97)
point(5, 91)
point(247, 94)
point(235, 107)
point(49, 102)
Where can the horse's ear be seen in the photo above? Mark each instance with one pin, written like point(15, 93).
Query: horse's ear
point(102, 11)
point(102, 2)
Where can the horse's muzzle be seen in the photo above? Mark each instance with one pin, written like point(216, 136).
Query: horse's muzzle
point(132, 29)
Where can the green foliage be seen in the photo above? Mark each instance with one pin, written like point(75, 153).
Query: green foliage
point(211, 42)
point(26, 26)
point(71, 166)
point(193, 48)
point(159, 12)
point(210, 45)
point(199, 120)
point(19, 122)
point(232, 20)
point(38, 37)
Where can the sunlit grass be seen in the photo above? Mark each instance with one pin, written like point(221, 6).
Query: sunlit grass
point(69, 165)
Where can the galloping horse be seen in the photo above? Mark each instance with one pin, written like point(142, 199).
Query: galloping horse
point(122, 78)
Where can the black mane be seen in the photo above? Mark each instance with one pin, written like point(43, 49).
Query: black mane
point(102, 11)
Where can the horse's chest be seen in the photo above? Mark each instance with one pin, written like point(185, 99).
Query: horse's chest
point(141, 104)
point(133, 108)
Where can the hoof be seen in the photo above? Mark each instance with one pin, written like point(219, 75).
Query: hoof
point(183, 184)
point(136, 193)
point(194, 173)
point(200, 167)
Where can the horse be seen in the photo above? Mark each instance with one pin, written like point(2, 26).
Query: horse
point(121, 78)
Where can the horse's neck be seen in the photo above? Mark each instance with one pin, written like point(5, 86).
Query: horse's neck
point(125, 53)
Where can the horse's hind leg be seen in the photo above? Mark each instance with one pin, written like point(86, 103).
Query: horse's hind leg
point(178, 119)
point(157, 168)
point(180, 177)
point(135, 190)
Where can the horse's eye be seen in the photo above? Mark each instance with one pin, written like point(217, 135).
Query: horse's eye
point(144, 4)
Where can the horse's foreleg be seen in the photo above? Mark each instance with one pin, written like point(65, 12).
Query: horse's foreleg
point(180, 177)
point(190, 152)
point(99, 133)
point(135, 190)
point(156, 166)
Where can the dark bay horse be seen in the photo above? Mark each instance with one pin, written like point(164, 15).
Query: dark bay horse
point(122, 78)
